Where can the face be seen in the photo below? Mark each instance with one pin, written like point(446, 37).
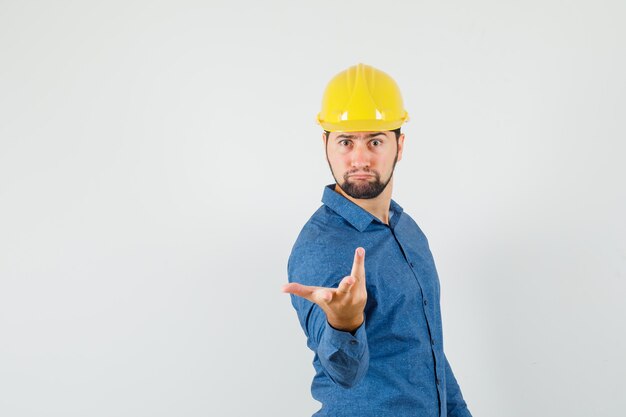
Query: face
point(362, 163)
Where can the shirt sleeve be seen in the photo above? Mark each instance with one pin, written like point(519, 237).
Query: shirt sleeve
point(454, 399)
point(344, 356)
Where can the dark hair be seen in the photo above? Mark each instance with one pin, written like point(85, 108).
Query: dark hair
point(396, 131)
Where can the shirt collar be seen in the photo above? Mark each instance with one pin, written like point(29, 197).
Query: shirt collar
point(355, 215)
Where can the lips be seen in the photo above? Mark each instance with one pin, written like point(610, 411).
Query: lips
point(361, 176)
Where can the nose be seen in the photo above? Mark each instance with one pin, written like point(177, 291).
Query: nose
point(360, 156)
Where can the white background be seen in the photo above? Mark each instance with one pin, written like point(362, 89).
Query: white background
point(158, 159)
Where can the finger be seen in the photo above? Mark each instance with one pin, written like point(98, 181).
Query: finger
point(345, 285)
point(317, 295)
point(325, 295)
point(322, 295)
point(358, 267)
point(300, 290)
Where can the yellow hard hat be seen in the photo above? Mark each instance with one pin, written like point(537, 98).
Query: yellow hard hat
point(362, 98)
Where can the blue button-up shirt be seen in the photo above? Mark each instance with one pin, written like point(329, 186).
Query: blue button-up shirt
point(394, 364)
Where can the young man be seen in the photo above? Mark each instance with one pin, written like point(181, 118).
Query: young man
point(361, 276)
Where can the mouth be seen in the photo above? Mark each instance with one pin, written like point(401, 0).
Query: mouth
point(360, 176)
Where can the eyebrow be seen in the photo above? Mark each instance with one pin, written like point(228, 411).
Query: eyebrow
point(371, 135)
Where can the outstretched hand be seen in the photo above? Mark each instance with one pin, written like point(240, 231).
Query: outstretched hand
point(343, 305)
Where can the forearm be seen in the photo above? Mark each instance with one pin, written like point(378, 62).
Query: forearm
point(343, 355)
point(331, 312)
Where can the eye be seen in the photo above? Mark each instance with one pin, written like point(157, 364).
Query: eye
point(376, 142)
point(344, 142)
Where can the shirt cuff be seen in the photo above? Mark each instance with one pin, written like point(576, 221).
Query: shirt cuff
point(353, 345)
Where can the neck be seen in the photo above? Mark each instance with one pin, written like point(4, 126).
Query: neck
point(377, 207)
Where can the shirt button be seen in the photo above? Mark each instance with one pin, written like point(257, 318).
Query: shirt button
point(353, 342)
point(432, 342)
point(437, 380)
point(425, 302)
point(412, 264)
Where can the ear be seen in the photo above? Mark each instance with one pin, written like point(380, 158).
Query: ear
point(400, 145)
point(325, 140)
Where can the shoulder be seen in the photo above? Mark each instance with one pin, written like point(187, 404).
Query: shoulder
point(410, 229)
point(314, 256)
point(322, 231)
